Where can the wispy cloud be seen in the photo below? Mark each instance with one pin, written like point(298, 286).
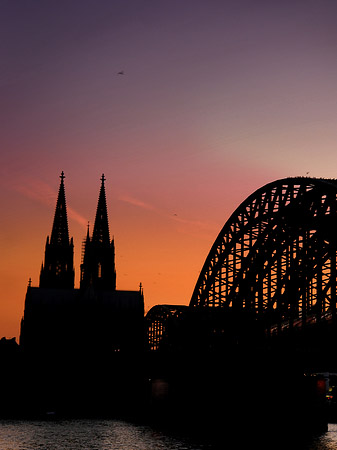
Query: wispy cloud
point(197, 228)
point(136, 202)
point(37, 190)
point(74, 215)
point(42, 193)
point(194, 223)
point(183, 225)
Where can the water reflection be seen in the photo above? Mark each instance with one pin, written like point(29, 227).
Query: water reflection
point(120, 435)
point(88, 435)
point(326, 442)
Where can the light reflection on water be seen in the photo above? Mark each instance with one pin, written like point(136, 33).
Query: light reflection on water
point(327, 441)
point(118, 435)
point(86, 434)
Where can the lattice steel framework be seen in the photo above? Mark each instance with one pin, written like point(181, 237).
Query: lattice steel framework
point(160, 323)
point(276, 255)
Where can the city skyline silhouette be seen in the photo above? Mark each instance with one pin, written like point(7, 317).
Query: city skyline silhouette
point(216, 100)
point(168, 214)
point(267, 289)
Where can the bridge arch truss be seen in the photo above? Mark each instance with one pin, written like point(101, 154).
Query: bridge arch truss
point(276, 255)
point(162, 326)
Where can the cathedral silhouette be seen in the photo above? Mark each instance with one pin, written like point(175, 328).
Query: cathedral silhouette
point(84, 342)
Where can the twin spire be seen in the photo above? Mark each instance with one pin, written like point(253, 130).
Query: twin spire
point(98, 264)
point(60, 233)
point(58, 268)
point(101, 227)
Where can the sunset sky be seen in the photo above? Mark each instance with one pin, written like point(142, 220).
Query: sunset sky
point(217, 99)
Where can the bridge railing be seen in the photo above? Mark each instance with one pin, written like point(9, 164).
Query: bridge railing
point(300, 322)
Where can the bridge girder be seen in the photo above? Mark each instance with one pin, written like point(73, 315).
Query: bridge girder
point(160, 323)
point(276, 255)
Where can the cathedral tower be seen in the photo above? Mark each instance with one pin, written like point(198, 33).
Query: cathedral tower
point(58, 268)
point(98, 265)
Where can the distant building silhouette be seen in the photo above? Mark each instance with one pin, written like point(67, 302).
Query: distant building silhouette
point(57, 272)
point(98, 267)
point(60, 320)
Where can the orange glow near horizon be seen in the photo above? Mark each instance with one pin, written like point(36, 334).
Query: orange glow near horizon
point(163, 249)
point(217, 99)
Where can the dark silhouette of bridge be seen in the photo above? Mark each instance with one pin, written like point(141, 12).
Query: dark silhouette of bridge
point(261, 322)
point(247, 351)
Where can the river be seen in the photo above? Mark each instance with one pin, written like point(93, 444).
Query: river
point(123, 435)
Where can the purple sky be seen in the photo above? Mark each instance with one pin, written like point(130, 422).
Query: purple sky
point(217, 99)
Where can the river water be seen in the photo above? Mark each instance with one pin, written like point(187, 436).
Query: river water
point(122, 435)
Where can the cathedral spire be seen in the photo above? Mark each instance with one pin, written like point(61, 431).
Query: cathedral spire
point(57, 271)
point(60, 233)
point(101, 227)
point(98, 267)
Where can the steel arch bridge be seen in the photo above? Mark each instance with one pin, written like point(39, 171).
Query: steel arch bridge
point(160, 324)
point(275, 257)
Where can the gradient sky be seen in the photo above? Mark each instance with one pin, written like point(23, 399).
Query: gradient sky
point(217, 99)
